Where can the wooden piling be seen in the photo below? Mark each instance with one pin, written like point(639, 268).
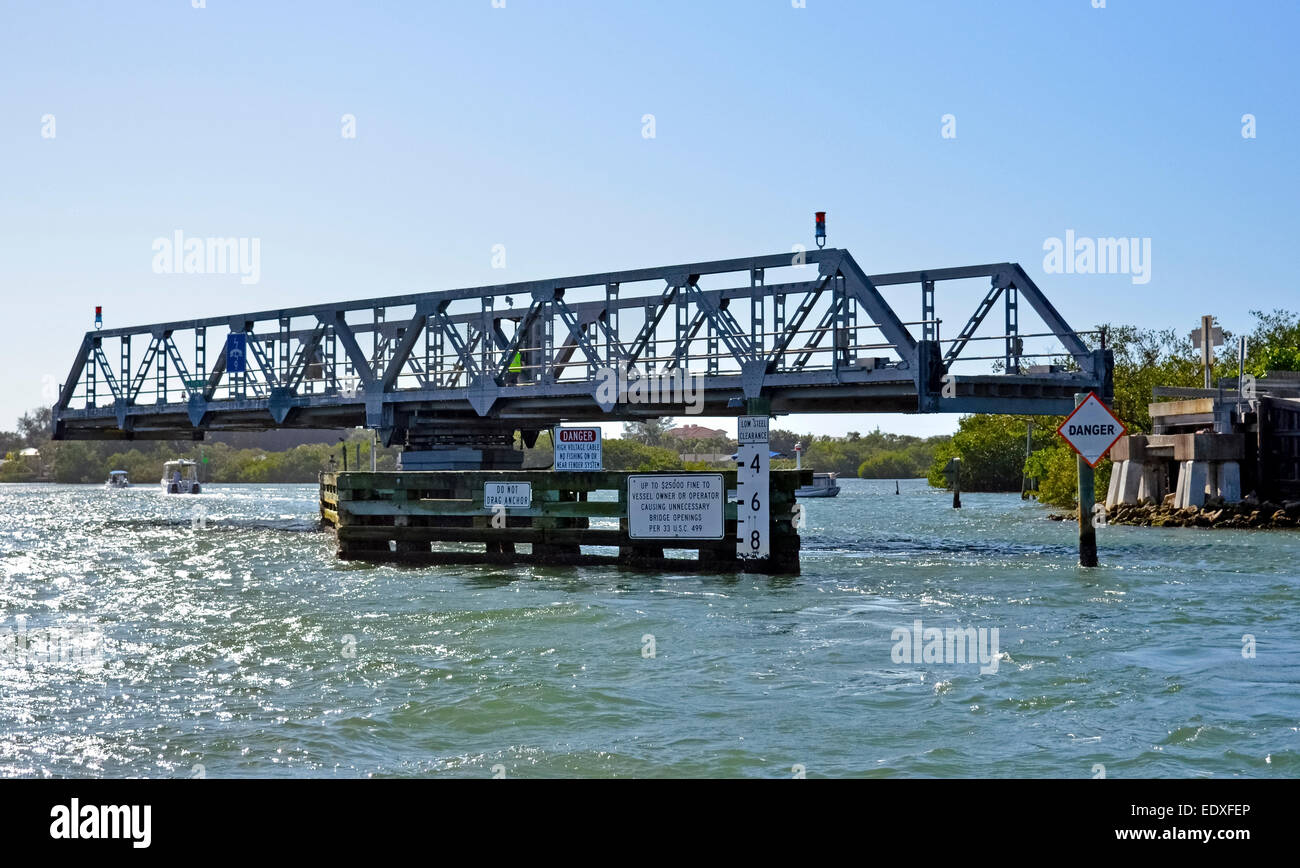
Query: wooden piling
point(1087, 500)
point(953, 471)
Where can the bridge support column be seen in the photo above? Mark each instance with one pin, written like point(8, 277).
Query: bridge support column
point(1193, 479)
point(1125, 482)
point(1230, 481)
point(1152, 487)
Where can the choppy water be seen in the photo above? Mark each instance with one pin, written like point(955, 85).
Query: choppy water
point(227, 647)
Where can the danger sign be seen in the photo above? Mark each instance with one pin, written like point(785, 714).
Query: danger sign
point(578, 449)
point(1091, 429)
point(579, 435)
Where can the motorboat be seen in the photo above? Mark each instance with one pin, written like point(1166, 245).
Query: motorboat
point(117, 479)
point(823, 485)
point(180, 477)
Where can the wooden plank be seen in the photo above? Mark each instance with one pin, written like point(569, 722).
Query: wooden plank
point(541, 479)
point(574, 509)
point(580, 536)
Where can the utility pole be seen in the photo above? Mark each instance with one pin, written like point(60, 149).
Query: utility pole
point(1241, 371)
point(1206, 338)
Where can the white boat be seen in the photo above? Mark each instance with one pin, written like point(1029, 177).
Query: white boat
point(180, 477)
point(117, 479)
point(823, 485)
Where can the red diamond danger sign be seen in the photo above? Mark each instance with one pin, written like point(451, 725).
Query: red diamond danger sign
point(1091, 429)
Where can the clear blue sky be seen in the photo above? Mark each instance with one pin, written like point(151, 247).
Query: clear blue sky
point(522, 126)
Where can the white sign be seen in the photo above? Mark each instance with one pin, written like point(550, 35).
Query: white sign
point(752, 429)
point(577, 449)
point(753, 513)
point(1091, 429)
point(676, 506)
point(511, 495)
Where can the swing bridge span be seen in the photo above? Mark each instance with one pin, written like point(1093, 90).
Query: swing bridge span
point(448, 368)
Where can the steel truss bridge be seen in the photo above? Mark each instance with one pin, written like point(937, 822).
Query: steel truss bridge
point(806, 334)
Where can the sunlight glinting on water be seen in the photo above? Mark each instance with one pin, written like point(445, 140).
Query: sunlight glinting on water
point(217, 635)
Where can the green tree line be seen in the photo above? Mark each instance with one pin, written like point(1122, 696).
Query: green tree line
point(877, 455)
point(77, 461)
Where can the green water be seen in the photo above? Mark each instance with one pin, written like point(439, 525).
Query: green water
point(241, 647)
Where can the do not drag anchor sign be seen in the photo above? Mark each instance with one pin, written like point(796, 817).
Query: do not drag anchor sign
point(1091, 430)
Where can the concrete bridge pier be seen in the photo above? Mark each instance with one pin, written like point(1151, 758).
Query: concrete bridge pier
point(1199, 466)
point(1152, 486)
point(1126, 479)
point(1199, 480)
point(1193, 479)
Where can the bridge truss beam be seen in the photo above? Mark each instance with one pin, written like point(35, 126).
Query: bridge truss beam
point(448, 358)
